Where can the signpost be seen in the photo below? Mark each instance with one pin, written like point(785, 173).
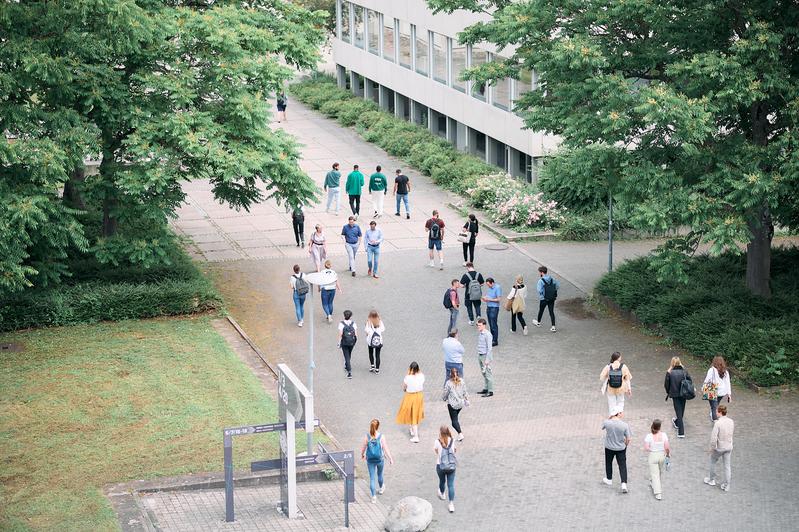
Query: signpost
point(295, 403)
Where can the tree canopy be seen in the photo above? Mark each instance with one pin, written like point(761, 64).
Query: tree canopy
point(162, 91)
point(687, 111)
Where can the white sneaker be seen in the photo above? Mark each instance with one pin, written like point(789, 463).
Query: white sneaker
point(451, 507)
point(441, 496)
point(709, 481)
point(432, 264)
point(374, 499)
point(524, 331)
point(624, 487)
point(471, 322)
point(537, 323)
point(460, 436)
point(299, 324)
point(441, 265)
point(607, 481)
point(725, 487)
point(464, 264)
point(658, 497)
point(415, 439)
point(681, 435)
point(674, 423)
point(382, 489)
point(553, 329)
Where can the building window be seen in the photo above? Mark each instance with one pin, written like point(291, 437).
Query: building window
point(405, 43)
point(358, 26)
point(522, 85)
point(422, 52)
point(373, 31)
point(478, 57)
point(388, 39)
point(345, 22)
point(458, 66)
point(439, 58)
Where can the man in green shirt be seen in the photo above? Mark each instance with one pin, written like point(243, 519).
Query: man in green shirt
point(332, 187)
point(378, 186)
point(354, 186)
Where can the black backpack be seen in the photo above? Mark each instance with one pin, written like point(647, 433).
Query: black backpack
point(615, 377)
point(435, 231)
point(550, 290)
point(348, 337)
point(301, 285)
point(687, 390)
point(447, 299)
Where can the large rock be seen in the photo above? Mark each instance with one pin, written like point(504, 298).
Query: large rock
point(411, 514)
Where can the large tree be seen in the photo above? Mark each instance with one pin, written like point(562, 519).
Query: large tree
point(687, 110)
point(161, 91)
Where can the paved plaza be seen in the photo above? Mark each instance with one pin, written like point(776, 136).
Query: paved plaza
point(533, 454)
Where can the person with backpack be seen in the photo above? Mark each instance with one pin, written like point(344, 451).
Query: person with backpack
point(615, 379)
point(411, 411)
point(353, 187)
point(516, 304)
point(716, 385)
point(473, 281)
point(351, 234)
point(299, 289)
point(375, 450)
point(547, 294)
point(347, 338)
point(492, 298)
point(617, 438)
point(472, 228)
point(374, 329)
point(446, 464)
point(656, 444)
point(298, 224)
point(378, 188)
point(679, 387)
point(457, 399)
point(485, 357)
point(452, 303)
point(453, 354)
point(328, 292)
point(435, 239)
point(333, 188)
point(282, 103)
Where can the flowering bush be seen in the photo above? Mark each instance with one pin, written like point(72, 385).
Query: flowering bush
point(511, 202)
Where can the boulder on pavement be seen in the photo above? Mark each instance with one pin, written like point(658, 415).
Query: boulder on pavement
point(410, 514)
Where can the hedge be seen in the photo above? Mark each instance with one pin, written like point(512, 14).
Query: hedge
point(714, 314)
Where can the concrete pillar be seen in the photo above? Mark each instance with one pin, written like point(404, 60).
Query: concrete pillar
point(462, 137)
point(368, 89)
point(452, 131)
point(341, 76)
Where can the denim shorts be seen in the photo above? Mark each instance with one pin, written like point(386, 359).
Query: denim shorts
point(434, 244)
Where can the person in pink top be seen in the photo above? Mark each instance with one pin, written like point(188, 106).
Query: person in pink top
point(656, 444)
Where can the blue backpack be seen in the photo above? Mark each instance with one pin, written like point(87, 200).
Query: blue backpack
point(374, 451)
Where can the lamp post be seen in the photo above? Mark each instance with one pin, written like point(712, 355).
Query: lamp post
point(314, 279)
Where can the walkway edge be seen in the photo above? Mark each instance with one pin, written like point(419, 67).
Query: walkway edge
point(540, 262)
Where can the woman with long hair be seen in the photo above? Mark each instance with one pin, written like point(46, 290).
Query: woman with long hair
point(445, 465)
point(517, 304)
point(328, 292)
point(472, 227)
point(457, 398)
point(719, 375)
point(674, 377)
point(374, 450)
point(374, 339)
point(317, 247)
point(656, 444)
point(411, 410)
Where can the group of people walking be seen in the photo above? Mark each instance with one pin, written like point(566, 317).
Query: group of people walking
point(616, 381)
point(377, 188)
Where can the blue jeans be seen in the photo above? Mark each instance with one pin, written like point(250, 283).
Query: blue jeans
point(352, 250)
point(375, 470)
point(449, 478)
point(299, 302)
point(453, 319)
point(492, 313)
point(449, 365)
point(331, 194)
point(714, 404)
point(372, 257)
point(327, 301)
point(404, 199)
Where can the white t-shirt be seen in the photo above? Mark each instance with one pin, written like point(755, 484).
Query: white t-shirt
point(438, 448)
point(371, 329)
point(657, 445)
point(348, 322)
point(414, 383)
point(293, 279)
point(330, 286)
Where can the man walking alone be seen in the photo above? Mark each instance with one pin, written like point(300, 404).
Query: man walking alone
point(331, 185)
point(402, 187)
point(351, 233)
point(485, 358)
point(721, 448)
point(435, 238)
point(547, 294)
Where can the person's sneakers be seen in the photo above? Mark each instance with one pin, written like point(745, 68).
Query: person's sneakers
point(432, 264)
point(353, 274)
point(349, 374)
point(299, 323)
point(681, 435)
point(329, 318)
point(375, 215)
point(551, 329)
point(471, 322)
point(374, 499)
point(674, 423)
point(488, 394)
point(460, 436)
point(369, 272)
point(372, 369)
point(658, 497)
point(709, 481)
point(725, 487)
point(442, 496)
point(624, 487)
point(441, 265)
point(415, 439)
point(464, 264)
point(481, 392)
point(524, 331)
point(396, 214)
point(537, 323)
point(382, 489)
point(607, 481)
point(377, 370)
point(356, 217)
point(376, 276)
point(407, 216)
point(451, 507)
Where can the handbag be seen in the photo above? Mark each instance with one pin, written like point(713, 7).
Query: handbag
point(710, 391)
point(464, 237)
point(509, 303)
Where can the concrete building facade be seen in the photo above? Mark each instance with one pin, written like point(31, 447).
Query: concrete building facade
point(408, 61)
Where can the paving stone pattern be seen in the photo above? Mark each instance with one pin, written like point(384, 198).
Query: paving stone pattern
point(533, 454)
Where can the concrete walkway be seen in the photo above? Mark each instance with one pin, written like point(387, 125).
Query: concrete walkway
point(533, 454)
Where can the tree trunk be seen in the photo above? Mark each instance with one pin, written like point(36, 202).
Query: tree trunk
point(72, 196)
point(109, 220)
point(758, 254)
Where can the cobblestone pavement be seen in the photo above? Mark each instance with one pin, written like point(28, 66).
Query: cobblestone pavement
point(533, 454)
point(256, 509)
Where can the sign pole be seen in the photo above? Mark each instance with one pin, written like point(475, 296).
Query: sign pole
point(309, 435)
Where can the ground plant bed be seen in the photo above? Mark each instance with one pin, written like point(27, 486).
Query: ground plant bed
point(714, 314)
point(89, 405)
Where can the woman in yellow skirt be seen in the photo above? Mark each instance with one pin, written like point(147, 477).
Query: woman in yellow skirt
point(411, 410)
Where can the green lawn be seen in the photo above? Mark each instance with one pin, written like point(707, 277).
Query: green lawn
point(89, 405)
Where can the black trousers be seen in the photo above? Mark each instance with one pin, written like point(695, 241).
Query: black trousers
point(453, 418)
point(679, 412)
point(551, 306)
point(621, 459)
point(299, 231)
point(347, 350)
point(472, 307)
point(469, 246)
point(374, 356)
point(355, 203)
point(517, 316)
